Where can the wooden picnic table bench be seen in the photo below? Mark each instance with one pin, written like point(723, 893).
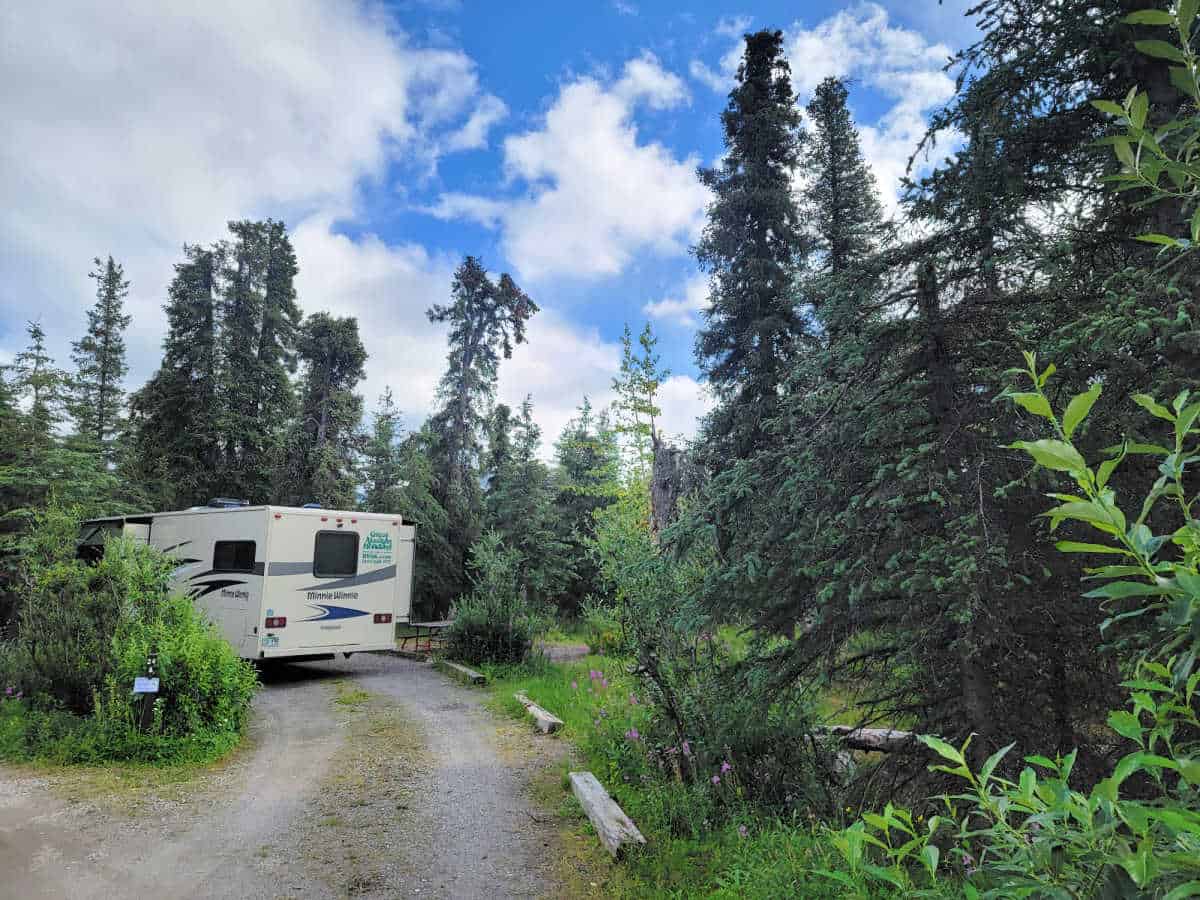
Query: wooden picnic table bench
point(426, 629)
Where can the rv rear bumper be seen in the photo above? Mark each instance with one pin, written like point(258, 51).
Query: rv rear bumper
point(285, 652)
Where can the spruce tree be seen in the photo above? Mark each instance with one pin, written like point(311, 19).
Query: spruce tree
point(587, 478)
point(176, 417)
point(321, 464)
point(635, 409)
point(753, 247)
point(486, 320)
point(382, 457)
point(43, 385)
point(97, 393)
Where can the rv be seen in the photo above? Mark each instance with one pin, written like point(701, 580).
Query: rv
point(283, 582)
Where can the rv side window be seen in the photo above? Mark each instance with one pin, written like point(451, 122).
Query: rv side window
point(336, 554)
point(233, 556)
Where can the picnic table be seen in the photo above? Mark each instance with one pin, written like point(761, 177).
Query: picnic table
point(428, 630)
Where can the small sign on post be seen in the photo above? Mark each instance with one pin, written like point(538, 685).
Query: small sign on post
point(145, 685)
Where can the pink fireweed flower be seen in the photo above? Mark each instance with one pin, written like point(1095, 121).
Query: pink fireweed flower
point(716, 779)
point(725, 767)
point(687, 749)
point(574, 685)
point(8, 691)
point(604, 682)
point(632, 734)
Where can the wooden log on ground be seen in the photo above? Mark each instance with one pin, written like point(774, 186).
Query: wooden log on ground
point(546, 721)
point(418, 655)
point(614, 828)
point(461, 672)
point(878, 740)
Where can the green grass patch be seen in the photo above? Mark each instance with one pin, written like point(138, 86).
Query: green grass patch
point(701, 840)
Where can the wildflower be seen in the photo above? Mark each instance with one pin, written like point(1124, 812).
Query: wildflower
point(725, 767)
point(716, 779)
point(8, 691)
point(574, 685)
point(593, 674)
point(687, 749)
point(743, 830)
point(632, 734)
point(671, 750)
point(604, 682)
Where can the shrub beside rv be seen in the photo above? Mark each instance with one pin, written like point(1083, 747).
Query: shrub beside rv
point(284, 582)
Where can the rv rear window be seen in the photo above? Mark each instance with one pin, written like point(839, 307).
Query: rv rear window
point(336, 554)
point(233, 556)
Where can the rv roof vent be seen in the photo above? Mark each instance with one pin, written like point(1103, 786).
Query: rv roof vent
point(312, 506)
point(227, 502)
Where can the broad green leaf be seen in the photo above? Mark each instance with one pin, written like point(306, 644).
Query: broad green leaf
point(941, 748)
point(1181, 78)
point(1107, 106)
point(1035, 403)
point(1191, 889)
point(1080, 547)
point(992, 761)
point(1152, 406)
point(1126, 724)
point(1052, 454)
point(1138, 109)
point(1160, 50)
point(1086, 511)
point(1079, 407)
point(1164, 240)
point(930, 856)
point(1186, 11)
point(1149, 17)
point(1140, 449)
point(1190, 770)
point(1125, 155)
point(1121, 589)
point(1105, 469)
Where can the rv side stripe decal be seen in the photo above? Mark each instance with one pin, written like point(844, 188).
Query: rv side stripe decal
point(383, 574)
point(334, 612)
point(209, 587)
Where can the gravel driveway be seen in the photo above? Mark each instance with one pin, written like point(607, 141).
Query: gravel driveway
point(408, 789)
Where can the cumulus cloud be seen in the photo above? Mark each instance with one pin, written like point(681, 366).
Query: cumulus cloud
point(862, 43)
point(131, 128)
point(594, 195)
point(682, 310)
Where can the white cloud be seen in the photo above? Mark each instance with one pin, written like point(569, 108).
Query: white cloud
point(684, 310)
point(625, 8)
point(131, 128)
point(861, 43)
point(595, 196)
point(683, 401)
point(473, 134)
point(733, 26)
point(470, 207)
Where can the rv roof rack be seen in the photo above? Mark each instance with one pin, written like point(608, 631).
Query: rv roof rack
point(227, 502)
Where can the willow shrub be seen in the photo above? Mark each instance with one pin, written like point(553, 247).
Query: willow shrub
point(85, 632)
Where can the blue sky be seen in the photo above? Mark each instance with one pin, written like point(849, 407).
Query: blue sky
point(555, 141)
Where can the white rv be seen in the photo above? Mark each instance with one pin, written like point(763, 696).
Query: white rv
point(283, 582)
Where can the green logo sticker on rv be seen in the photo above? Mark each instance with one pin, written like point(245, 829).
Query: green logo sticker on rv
point(377, 549)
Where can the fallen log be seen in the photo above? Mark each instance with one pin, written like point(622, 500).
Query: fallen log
point(878, 740)
point(546, 721)
point(461, 672)
point(613, 827)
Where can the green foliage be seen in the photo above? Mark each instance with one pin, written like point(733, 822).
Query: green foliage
point(86, 631)
point(635, 409)
point(495, 622)
point(97, 395)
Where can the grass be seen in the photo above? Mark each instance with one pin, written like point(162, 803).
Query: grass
point(686, 856)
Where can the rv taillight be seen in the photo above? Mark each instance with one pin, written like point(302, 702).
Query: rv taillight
point(383, 618)
point(276, 621)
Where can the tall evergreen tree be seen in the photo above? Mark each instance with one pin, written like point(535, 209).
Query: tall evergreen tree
point(98, 395)
point(486, 320)
point(587, 477)
point(43, 385)
point(382, 457)
point(635, 409)
point(175, 417)
point(753, 247)
point(321, 459)
point(520, 506)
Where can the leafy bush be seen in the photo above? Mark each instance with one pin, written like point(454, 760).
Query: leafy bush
point(494, 623)
point(85, 632)
point(602, 626)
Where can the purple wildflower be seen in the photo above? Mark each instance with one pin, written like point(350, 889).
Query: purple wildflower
point(687, 749)
point(725, 767)
point(604, 682)
point(716, 779)
point(743, 830)
point(632, 734)
point(8, 691)
point(574, 685)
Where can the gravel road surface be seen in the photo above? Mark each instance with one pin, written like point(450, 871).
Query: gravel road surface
point(369, 777)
